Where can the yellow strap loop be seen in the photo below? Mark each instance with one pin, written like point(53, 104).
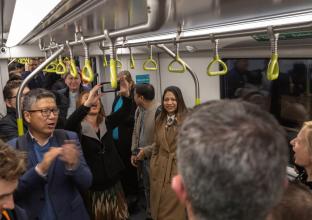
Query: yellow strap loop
point(105, 63)
point(113, 73)
point(273, 67)
point(87, 72)
point(132, 62)
point(217, 60)
point(178, 61)
point(60, 67)
point(151, 62)
point(73, 68)
point(20, 126)
point(51, 67)
point(66, 59)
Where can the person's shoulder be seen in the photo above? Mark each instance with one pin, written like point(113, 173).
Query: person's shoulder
point(13, 142)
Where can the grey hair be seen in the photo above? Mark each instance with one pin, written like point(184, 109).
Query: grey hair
point(35, 95)
point(232, 157)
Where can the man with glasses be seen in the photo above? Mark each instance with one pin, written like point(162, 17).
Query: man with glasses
point(8, 126)
point(57, 170)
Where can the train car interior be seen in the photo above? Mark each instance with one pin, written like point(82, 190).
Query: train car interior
point(259, 51)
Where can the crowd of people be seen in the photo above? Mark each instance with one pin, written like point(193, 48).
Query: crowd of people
point(221, 160)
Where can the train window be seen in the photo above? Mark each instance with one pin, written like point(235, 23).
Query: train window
point(288, 98)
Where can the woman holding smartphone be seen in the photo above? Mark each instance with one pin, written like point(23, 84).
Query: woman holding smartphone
point(105, 199)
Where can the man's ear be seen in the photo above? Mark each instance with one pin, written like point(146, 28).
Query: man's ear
point(8, 103)
point(27, 117)
point(178, 187)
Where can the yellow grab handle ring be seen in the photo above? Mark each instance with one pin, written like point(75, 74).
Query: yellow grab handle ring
point(273, 68)
point(73, 68)
point(60, 67)
point(87, 72)
point(151, 62)
point(217, 60)
point(113, 73)
point(177, 60)
point(51, 67)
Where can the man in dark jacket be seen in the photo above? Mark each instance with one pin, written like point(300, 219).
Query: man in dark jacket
point(12, 165)
point(8, 126)
point(56, 171)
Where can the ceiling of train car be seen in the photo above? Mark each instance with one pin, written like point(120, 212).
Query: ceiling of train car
point(7, 8)
point(93, 16)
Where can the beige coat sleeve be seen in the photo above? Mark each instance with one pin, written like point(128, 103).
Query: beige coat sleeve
point(148, 150)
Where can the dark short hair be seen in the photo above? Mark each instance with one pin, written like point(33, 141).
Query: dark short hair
point(12, 162)
point(296, 203)
point(232, 157)
point(9, 87)
point(35, 95)
point(146, 90)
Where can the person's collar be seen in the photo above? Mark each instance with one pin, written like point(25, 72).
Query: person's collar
point(11, 110)
point(34, 139)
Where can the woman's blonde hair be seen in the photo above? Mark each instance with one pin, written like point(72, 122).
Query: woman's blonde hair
point(308, 127)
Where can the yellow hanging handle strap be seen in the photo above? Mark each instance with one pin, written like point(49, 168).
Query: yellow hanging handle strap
point(273, 67)
point(113, 72)
point(72, 63)
point(20, 126)
point(60, 67)
point(132, 62)
point(177, 61)
point(216, 60)
point(150, 64)
point(105, 63)
point(87, 72)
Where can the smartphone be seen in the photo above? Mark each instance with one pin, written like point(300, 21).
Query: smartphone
point(106, 87)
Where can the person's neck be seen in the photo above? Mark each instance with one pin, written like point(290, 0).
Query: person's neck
point(147, 104)
point(40, 138)
point(92, 120)
point(74, 91)
point(309, 173)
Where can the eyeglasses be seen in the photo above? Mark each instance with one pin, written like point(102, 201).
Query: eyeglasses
point(14, 97)
point(47, 112)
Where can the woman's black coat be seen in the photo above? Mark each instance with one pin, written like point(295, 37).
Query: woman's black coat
point(101, 156)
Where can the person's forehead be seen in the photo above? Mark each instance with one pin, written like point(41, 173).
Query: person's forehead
point(44, 102)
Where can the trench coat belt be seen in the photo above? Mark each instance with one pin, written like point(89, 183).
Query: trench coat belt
point(172, 157)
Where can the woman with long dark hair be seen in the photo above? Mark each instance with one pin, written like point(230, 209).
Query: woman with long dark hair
point(105, 199)
point(163, 164)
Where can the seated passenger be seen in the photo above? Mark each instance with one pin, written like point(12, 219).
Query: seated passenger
point(232, 160)
point(296, 204)
point(56, 170)
point(105, 198)
point(12, 166)
point(8, 124)
point(302, 146)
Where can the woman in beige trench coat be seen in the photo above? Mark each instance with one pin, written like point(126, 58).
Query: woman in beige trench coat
point(163, 164)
